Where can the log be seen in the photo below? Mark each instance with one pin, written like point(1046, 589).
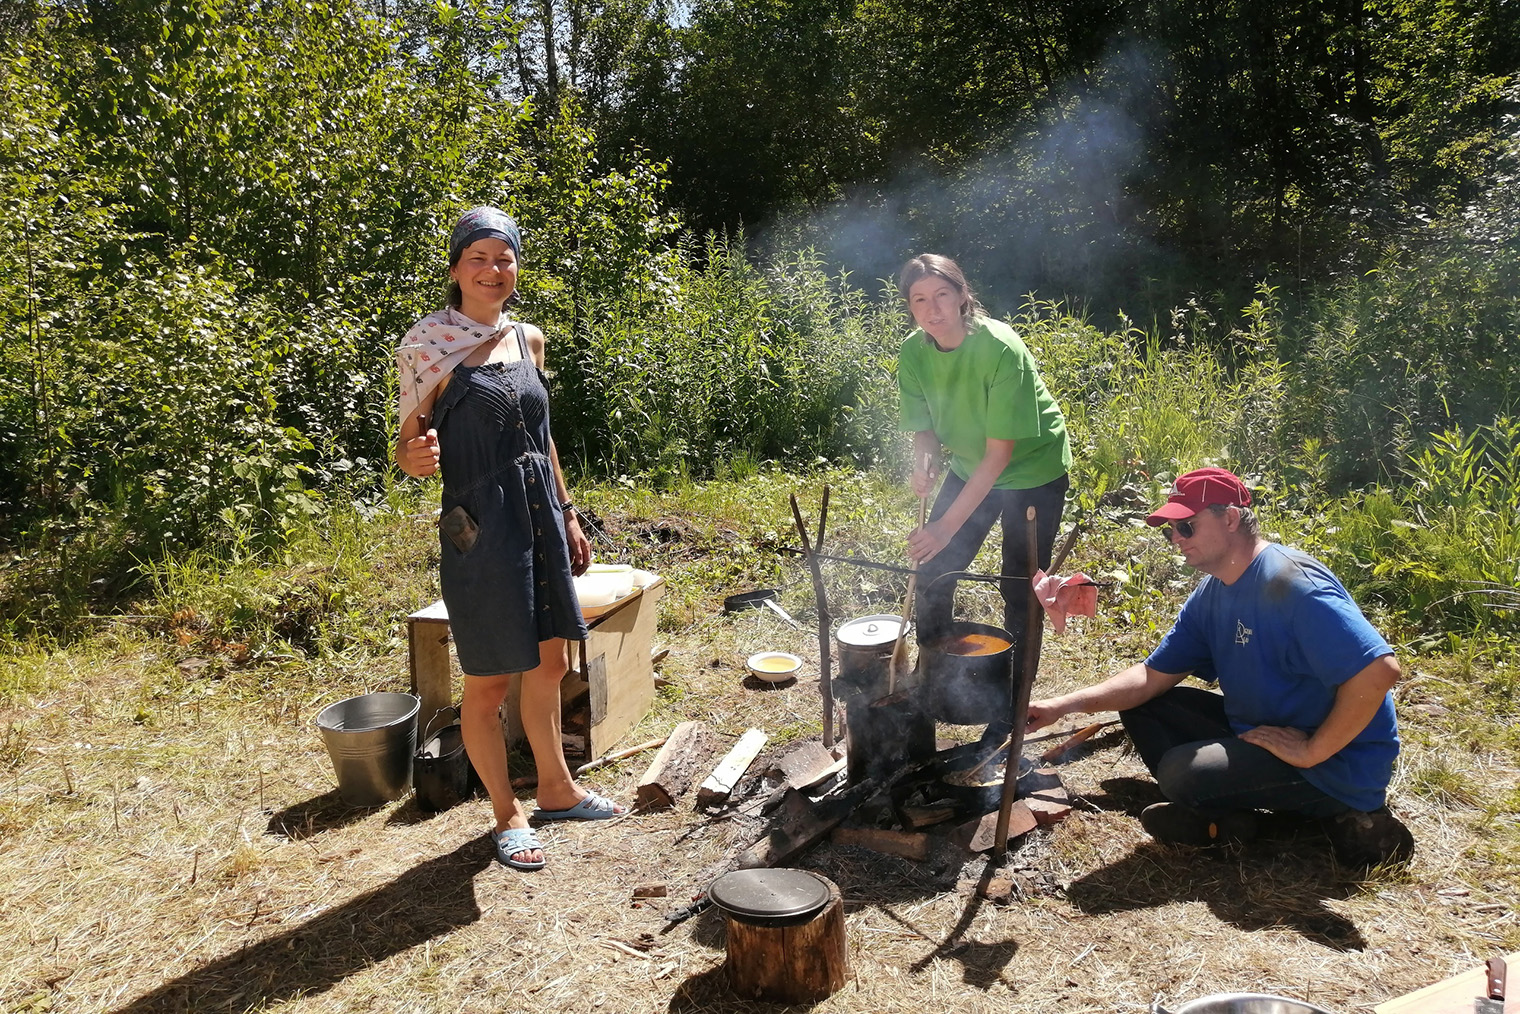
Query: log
point(797, 964)
point(915, 817)
point(892, 843)
point(807, 764)
point(731, 768)
point(674, 768)
point(803, 823)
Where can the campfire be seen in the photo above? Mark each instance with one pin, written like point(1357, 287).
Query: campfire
point(881, 779)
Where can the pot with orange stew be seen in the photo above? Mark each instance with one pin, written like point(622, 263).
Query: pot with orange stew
point(967, 673)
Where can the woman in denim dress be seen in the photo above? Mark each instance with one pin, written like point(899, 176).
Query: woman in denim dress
point(474, 404)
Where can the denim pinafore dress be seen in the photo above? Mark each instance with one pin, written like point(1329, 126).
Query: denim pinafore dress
point(511, 588)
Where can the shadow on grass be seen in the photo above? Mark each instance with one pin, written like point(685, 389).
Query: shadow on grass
point(316, 815)
point(427, 901)
point(1250, 890)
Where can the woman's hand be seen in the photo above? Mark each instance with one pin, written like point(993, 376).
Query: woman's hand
point(925, 543)
point(580, 546)
point(925, 475)
point(419, 456)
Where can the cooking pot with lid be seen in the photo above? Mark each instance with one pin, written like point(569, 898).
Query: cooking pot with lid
point(865, 646)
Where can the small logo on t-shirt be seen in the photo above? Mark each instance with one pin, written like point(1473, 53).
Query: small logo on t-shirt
point(1242, 633)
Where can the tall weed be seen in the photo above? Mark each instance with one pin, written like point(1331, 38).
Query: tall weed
point(1443, 548)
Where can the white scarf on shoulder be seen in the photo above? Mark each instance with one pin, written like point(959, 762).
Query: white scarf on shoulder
point(432, 348)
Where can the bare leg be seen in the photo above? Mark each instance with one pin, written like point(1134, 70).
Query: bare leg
point(480, 724)
point(540, 709)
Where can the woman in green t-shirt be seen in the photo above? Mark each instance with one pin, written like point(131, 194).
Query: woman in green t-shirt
point(971, 389)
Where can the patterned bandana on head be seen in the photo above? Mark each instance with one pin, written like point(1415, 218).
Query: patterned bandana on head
point(483, 222)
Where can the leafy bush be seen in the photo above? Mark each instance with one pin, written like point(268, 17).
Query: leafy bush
point(1429, 341)
point(1443, 550)
point(214, 224)
point(734, 365)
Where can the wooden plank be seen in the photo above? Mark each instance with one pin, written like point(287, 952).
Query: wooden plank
point(888, 842)
point(808, 764)
point(437, 612)
point(427, 648)
point(675, 767)
point(1049, 806)
point(622, 691)
point(729, 770)
point(1450, 996)
point(621, 684)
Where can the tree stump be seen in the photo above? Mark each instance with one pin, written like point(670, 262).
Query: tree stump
point(800, 962)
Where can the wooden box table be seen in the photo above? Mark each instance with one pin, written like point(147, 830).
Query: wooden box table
point(617, 674)
point(1452, 996)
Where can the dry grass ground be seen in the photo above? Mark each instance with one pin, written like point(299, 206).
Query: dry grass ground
point(170, 841)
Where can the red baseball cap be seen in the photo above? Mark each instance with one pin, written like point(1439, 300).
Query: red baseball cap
point(1198, 489)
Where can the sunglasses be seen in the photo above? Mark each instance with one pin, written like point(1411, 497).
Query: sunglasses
point(1182, 528)
point(1188, 527)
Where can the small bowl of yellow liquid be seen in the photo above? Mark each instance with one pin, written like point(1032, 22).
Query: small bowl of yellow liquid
point(773, 666)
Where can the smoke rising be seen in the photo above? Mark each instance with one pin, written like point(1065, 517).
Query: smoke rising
point(1052, 207)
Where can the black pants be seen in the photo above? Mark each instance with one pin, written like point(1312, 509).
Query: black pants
point(1186, 741)
point(936, 599)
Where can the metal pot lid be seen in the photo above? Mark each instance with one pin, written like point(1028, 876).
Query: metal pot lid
point(870, 631)
point(769, 894)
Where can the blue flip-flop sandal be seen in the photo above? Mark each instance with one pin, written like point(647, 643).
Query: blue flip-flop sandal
point(515, 841)
point(593, 807)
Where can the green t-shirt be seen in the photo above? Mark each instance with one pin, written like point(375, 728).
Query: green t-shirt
point(988, 387)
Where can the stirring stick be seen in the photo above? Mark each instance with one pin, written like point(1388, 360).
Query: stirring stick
point(971, 775)
point(902, 627)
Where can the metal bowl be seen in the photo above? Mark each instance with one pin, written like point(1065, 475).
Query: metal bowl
point(1246, 1003)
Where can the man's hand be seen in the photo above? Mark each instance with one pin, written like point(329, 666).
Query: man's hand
point(1288, 745)
point(1043, 713)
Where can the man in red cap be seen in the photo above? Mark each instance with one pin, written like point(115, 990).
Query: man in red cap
point(1303, 721)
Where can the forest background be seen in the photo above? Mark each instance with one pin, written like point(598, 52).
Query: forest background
point(1282, 237)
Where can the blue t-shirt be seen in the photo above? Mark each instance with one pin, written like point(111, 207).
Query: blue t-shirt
point(1280, 641)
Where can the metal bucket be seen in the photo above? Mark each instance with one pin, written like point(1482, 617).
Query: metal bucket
point(441, 770)
point(371, 739)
